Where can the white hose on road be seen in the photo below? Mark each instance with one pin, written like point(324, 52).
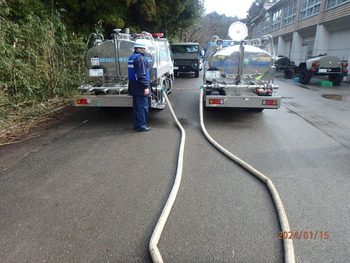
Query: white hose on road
point(287, 243)
point(155, 254)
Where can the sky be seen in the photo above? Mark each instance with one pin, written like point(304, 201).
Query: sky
point(237, 8)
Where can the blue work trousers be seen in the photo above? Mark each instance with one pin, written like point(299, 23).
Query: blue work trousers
point(140, 112)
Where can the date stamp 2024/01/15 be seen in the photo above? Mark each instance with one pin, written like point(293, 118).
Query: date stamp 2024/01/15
point(303, 235)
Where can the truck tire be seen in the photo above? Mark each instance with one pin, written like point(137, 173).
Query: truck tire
point(149, 99)
point(196, 73)
point(336, 79)
point(208, 91)
point(304, 76)
point(204, 101)
point(288, 73)
point(257, 109)
point(168, 85)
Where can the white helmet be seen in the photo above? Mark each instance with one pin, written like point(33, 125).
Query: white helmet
point(138, 43)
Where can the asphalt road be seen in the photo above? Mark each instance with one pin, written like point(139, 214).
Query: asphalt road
point(90, 189)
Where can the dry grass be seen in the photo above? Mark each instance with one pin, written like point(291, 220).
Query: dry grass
point(18, 128)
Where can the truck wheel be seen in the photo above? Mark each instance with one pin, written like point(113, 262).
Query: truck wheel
point(176, 73)
point(196, 73)
point(304, 77)
point(167, 85)
point(336, 79)
point(288, 74)
point(150, 99)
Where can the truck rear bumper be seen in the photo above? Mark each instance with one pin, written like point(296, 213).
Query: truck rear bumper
point(185, 68)
point(256, 102)
point(116, 101)
point(103, 101)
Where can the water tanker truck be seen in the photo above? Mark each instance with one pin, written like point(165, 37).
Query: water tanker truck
point(240, 73)
point(107, 69)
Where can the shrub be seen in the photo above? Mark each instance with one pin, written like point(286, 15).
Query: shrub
point(40, 60)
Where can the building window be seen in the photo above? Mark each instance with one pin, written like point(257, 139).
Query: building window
point(309, 8)
point(257, 30)
point(276, 21)
point(289, 13)
point(265, 26)
point(333, 3)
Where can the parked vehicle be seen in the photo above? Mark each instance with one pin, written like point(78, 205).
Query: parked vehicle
point(285, 65)
point(239, 73)
point(324, 65)
point(187, 58)
point(107, 70)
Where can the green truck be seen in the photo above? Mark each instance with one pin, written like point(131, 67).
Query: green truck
point(187, 57)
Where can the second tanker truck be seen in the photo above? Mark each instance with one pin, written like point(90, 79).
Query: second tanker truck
point(239, 73)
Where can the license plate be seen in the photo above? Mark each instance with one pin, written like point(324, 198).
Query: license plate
point(212, 74)
point(322, 70)
point(96, 72)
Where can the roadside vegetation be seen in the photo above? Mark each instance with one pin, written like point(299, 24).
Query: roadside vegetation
point(40, 61)
point(42, 46)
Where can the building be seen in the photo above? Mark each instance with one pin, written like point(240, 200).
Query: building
point(305, 28)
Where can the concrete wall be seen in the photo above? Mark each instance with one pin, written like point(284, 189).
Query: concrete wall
point(322, 40)
point(283, 47)
point(339, 44)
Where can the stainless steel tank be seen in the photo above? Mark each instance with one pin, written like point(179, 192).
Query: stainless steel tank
point(112, 56)
point(256, 62)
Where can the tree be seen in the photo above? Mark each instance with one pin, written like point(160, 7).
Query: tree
point(189, 21)
point(168, 16)
point(210, 25)
point(83, 16)
point(255, 10)
point(177, 16)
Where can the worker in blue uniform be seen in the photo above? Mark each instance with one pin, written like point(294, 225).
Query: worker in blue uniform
point(139, 87)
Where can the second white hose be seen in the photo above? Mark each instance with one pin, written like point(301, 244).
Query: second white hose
point(287, 243)
point(155, 254)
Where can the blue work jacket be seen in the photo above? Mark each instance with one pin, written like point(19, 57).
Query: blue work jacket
point(138, 74)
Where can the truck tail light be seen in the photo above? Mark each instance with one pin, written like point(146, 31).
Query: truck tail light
point(269, 102)
point(216, 101)
point(83, 101)
point(344, 66)
point(315, 66)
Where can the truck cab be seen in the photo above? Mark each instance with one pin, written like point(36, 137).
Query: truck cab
point(187, 57)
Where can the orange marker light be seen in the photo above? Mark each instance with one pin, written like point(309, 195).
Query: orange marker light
point(216, 101)
point(82, 101)
point(269, 102)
